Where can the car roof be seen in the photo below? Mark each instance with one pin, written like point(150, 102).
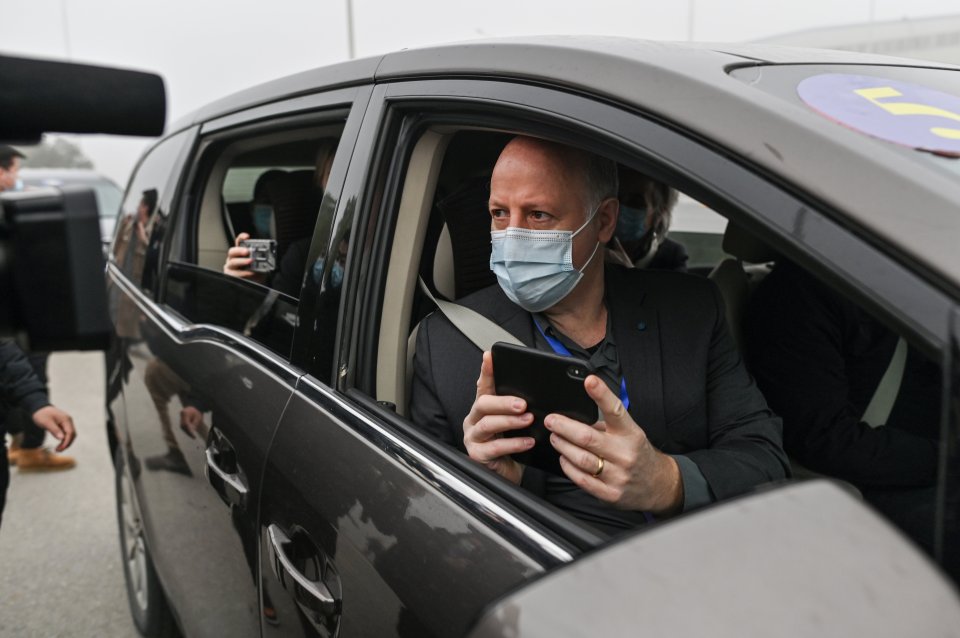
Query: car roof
point(905, 206)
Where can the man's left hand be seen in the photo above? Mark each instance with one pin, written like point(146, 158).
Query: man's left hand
point(613, 459)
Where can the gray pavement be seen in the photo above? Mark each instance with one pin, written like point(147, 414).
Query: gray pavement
point(60, 572)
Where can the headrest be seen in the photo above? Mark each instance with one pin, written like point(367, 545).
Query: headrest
point(468, 223)
point(743, 245)
point(261, 188)
point(296, 203)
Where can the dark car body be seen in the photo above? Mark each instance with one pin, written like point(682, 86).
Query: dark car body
point(302, 502)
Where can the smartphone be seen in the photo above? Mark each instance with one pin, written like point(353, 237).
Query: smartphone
point(549, 383)
point(263, 252)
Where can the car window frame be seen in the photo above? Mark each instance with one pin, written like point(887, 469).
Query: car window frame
point(167, 204)
point(319, 109)
point(793, 222)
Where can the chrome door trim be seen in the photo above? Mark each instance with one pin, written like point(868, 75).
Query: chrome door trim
point(183, 332)
point(486, 510)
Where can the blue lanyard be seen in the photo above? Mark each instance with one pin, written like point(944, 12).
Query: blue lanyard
point(561, 349)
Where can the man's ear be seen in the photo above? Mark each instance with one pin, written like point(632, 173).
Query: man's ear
point(607, 215)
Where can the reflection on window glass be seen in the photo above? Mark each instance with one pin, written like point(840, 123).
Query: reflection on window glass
point(272, 202)
point(203, 296)
point(143, 215)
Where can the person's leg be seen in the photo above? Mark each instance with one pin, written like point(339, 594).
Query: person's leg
point(163, 384)
point(33, 435)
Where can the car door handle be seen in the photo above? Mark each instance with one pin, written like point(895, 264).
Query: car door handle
point(223, 470)
point(233, 480)
point(311, 596)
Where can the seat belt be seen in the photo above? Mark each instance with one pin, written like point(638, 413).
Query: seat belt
point(880, 406)
point(482, 332)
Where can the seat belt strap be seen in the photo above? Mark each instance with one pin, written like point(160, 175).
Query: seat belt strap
point(482, 332)
point(881, 405)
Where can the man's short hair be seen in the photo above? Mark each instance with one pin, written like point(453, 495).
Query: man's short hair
point(7, 153)
point(599, 173)
point(601, 178)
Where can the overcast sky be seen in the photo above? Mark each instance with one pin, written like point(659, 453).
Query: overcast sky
point(205, 49)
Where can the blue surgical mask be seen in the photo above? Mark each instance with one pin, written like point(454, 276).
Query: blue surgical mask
point(535, 267)
point(631, 223)
point(262, 219)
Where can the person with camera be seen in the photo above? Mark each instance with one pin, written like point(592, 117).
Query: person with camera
point(681, 422)
point(26, 445)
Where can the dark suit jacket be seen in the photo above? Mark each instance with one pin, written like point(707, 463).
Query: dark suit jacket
point(688, 387)
point(819, 359)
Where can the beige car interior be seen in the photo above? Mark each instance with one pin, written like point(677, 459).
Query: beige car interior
point(416, 203)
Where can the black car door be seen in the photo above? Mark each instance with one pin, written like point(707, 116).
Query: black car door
point(211, 374)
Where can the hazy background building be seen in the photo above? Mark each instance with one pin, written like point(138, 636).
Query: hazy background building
point(936, 39)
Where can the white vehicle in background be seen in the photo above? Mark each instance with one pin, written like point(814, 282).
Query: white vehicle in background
point(108, 194)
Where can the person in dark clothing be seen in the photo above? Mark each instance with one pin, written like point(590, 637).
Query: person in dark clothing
point(646, 208)
point(26, 437)
point(20, 386)
point(819, 359)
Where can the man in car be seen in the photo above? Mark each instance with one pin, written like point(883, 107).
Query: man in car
point(681, 422)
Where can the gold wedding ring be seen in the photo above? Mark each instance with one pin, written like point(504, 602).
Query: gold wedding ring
point(599, 466)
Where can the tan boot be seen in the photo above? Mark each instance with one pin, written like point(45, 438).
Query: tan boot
point(43, 460)
point(13, 452)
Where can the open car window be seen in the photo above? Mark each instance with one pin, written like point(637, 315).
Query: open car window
point(263, 190)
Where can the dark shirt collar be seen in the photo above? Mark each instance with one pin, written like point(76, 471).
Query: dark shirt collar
point(602, 356)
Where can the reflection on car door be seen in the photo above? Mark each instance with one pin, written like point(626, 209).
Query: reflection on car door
point(200, 474)
point(351, 508)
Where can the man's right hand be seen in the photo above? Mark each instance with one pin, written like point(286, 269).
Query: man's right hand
point(491, 416)
point(58, 423)
point(239, 260)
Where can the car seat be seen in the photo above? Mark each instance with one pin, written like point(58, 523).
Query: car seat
point(738, 275)
point(296, 203)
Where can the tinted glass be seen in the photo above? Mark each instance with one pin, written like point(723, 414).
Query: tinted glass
point(203, 296)
point(143, 215)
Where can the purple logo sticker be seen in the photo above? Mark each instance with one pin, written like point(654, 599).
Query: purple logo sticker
point(907, 114)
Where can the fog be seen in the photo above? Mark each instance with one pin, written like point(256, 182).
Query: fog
point(205, 49)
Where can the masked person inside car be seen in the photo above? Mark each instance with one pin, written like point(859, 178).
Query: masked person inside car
point(640, 240)
point(681, 423)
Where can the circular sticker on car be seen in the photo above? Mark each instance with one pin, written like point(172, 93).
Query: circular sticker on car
point(907, 114)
